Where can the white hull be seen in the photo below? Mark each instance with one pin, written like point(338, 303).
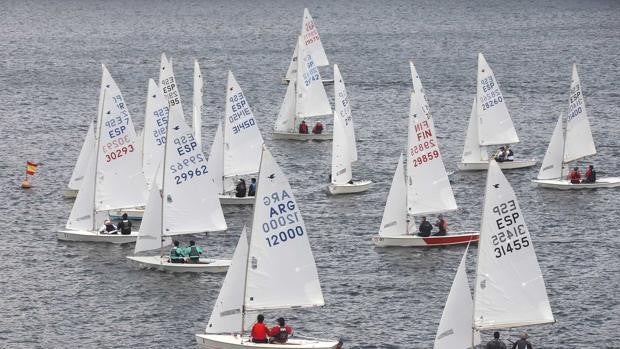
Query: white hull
point(133, 214)
point(233, 200)
point(418, 241)
point(356, 187)
point(285, 81)
point(70, 193)
point(301, 136)
point(213, 341)
point(506, 165)
point(563, 184)
point(206, 265)
point(91, 236)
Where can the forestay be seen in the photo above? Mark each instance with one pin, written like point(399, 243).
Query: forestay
point(428, 186)
point(197, 103)
point(215, 164)
point(169, 86)
point(86, 152)
point(509, 290)
point(279, 245)
point(343, 108)
point(472, 151)
point(120, 180)
point(154, 136)
point(552, 163)
point(311, 96)
point(495, 125)
point(242, 138)
point(455, 326)
point(394, 221)
point(311, 40)
point(341, 157)
point(579, 142)
point(226, 315)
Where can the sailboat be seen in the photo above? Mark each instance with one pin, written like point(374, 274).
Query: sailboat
point(571, 145)
point(344, 149)
point(114, 177)
point(489, 124)
point(279, 245)
point(312, 41)
point(77, 177)
point(190, 205)
point(235, 151)
point(305, 97)
point(426, 190)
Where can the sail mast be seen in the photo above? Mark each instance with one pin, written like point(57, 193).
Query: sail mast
point(98, 144)
point(163, 191)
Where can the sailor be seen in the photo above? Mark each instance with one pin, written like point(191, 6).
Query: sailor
point(495, 343)
point(177, 255)
point(260, 332)
point(107, 228)
point(501, 155)
point(318, 128)
point(240, 189)
point(522, 343)
point(510, 156)
point(574, 176)
point(124, 226)
point(252, 188)
point(442, 225)
point(193, 252)
point(590, 175)
point(425, 228)
point(303, 128)
point(280, 333)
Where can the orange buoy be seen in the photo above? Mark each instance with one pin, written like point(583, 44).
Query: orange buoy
point(25, 184)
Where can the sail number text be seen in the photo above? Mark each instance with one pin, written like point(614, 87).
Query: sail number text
point(240, 109)
point(512, 235)
point(491, 95)
point(312, 73)
point(193, 164)
point(161, 121)
point(170, 91)
point(312, 35)
point(426, 148)
point(575, 103)
point(284, 223)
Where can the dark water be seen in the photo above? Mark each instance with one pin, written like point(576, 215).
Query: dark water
point(55, 294)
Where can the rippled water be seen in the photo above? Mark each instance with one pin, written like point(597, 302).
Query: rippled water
point(56, 294)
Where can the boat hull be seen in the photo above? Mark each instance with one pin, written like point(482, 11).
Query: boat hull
point(563, 184)
point(418, 241)
point(356, 187)
point(213, 341)
point(285, 81)
point(70, 193)
point(506, 165)
point(233, 200)
point(302, 136)
point(206, 265)
point(91, 236)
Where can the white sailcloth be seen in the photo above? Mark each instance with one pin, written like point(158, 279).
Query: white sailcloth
point(579, 142)
point(169, 86)
point(154, 141)
point(312, 41)
point(291, 72)
point(495, 125)
point(472, 151)
point(216, 159)
point(150, 234)
point(552, 163)
point(279, 246)
point(83, 215)
point(341, 157)
point(86, 152)
point(418, 89)
point(120, 180)
point(343, 108)
point(286, 116)
point(394, 221)
point(455, 326)
point(311, 96)
point(226, 315)
point(509, 290)
point(428, 187)
point(197, 103)
point(242, 138)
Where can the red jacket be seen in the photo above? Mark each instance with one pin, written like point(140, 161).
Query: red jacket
point(574, 175)
point(275, 331)
point(303, 128)
point(259, 331)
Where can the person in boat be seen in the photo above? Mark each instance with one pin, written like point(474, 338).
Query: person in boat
point(193, 252)
point(260, 332)
point(124, 226)
point(280, 333)
point(425, 228)
point(252, 188)
point(510, 156)
point(574, 176)
point(495, 343)
point(500, 156)
point(303, 128)
point(318, 128)
point(177, 254)
point(107, 228)
point(522, 343)
point(442, 225)
point(590, 175)
point(240, 189)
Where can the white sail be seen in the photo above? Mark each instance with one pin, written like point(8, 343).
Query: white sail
point(311, 96)
point(394, 221)
point(226, 315)
point(312, 41)
point(579, 142)
point(279, 245)
point(455, 326)
point(291, 72)
point(286, 116)
point(154, 136)
point(418, 89)
point(428, 186)
point(197, 103)
point(81, 216)
point(120, 180)
point(242, 138)
point(169, 86)
point(343, 108)
point(216, 159)
point(341, 157)
point(472, 151)
point(509, 290)
point(495, 125)
point(87, 151)
point(150, 234)
point(552, 163)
